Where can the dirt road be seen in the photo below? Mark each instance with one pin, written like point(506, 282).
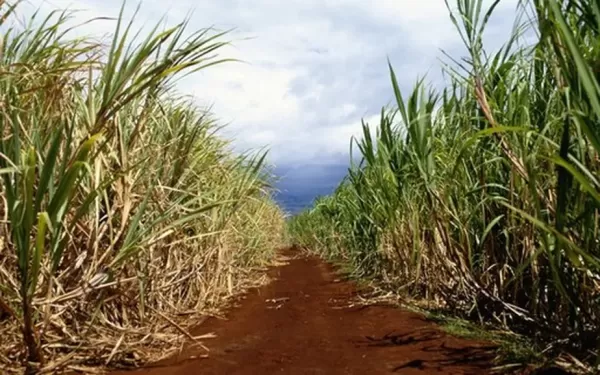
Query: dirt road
point(300, 324)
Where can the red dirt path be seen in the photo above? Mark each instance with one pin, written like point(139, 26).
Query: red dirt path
point(314, 332)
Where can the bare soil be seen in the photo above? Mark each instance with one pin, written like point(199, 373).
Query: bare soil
point(301, 324)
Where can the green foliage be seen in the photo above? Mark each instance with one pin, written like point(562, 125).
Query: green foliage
point(484, 196)
point(118, 198)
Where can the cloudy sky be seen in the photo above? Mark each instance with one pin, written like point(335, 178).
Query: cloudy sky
point(313, 68)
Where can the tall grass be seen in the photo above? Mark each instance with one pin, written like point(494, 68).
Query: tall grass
point(123, 215)
point(483, 198)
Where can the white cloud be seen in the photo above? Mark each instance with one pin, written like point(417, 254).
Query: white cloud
point(241, 91)
point(313, 67)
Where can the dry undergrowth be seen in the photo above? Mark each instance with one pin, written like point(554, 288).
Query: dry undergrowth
point(482, 197)
point(123, 218)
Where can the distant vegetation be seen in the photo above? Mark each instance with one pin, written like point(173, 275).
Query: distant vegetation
point(484, 198)
point(122, 215)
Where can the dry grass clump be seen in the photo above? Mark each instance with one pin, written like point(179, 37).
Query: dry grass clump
point(484, 197)
point(122, 216)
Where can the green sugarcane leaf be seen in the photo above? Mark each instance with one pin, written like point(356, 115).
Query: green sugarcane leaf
point(40, 243)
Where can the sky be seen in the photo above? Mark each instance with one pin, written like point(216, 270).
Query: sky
point(311, 70)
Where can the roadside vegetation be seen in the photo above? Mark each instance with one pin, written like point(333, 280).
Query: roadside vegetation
point(123, 217)
point(483, 198)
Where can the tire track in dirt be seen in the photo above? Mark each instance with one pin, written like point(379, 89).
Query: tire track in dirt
point(298, 325)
